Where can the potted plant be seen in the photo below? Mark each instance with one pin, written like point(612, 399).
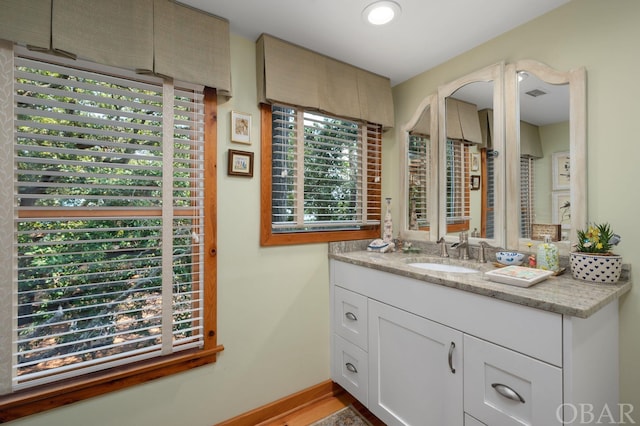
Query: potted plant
point(592, 259)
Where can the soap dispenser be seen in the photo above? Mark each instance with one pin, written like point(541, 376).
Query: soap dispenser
point(548, 257)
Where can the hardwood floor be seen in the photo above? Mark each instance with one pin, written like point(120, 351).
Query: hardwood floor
point(302, 408)
point(320, 409)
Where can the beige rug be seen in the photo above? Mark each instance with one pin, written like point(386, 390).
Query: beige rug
point(348, 416)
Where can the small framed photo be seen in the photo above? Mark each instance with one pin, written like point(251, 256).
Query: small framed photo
point(240, 163)
point(561, 170)
point(475, 161)
point(475, 182)
point(241, 127)
point(539, 230)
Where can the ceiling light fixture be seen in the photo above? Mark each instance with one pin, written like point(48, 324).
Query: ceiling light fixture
point(381, 12)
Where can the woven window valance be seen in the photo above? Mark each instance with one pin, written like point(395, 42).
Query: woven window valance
point(116, 32)
point(148, 36)
point(27, 22)
point(294, 75)
point(463, 122)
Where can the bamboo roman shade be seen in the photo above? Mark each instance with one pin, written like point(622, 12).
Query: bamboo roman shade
point(148, 36)
point(294, 75)
point(26, 21)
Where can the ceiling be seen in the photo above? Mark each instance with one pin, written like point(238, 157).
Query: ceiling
point(427, 33)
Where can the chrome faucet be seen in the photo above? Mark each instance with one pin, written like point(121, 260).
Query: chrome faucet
point(443, 247)
point(462, 246)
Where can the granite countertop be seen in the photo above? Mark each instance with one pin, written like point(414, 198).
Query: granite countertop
point(560, 294)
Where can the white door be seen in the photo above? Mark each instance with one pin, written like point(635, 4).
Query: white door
point(415, 369)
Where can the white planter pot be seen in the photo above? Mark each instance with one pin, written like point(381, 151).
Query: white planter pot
point(596, 268)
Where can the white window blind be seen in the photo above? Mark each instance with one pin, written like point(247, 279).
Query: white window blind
point(526, 196)
point(419, 160)
point(326, 172)
point(109, 171)
point(457, 203)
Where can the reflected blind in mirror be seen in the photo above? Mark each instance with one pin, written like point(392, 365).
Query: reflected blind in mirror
point(457, 175)
point(419, 162)
point(527, 188)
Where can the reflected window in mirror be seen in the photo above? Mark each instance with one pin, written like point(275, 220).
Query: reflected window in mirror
point(469, 170)
point(527, 194)
point(488, 214)
point(419, 162)
point(458, 183)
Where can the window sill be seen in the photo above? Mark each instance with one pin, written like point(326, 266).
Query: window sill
point(31, 401)
point(270, 239)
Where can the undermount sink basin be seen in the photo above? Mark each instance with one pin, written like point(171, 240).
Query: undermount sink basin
point(443, 267)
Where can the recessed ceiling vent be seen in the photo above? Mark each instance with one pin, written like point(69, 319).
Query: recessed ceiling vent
point(536, 92)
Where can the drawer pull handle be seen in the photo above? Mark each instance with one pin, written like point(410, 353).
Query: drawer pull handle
point(351, 316)
point(451, 348)
point(507, 392)
point(351, 367)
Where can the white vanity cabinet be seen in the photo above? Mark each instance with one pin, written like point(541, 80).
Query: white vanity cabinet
point(415, 368)
point(417, 353)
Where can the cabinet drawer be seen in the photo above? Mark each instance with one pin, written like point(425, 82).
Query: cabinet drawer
point(351, 368)
point(503, 387)
point(350, 316)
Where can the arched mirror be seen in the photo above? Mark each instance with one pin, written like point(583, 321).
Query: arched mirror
point(419, 154)
point(546, 165)
point(471, 177)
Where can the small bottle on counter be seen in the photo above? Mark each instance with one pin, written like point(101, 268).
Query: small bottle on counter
point(548, 257)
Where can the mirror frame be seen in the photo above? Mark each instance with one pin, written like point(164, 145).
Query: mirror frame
point(493, 73)
point(576, 79)
point(432, 201)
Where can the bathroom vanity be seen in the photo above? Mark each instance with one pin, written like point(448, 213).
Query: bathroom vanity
point(424, 347)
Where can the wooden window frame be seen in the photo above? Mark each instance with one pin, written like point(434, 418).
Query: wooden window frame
point(267, 236)
point(38, 399)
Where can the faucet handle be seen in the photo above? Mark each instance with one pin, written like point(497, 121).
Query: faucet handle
point(443, 247)
point(481, 255)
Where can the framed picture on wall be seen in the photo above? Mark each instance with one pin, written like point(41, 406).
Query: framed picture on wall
point(240, 127)
point(240, 163)
point(475, 161)
point(475, 182)
point(561, 170)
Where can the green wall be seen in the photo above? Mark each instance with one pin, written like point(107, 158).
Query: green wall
point(602, 36)
point(273, 309)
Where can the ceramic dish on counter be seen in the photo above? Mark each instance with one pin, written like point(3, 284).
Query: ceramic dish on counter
point(509, 258)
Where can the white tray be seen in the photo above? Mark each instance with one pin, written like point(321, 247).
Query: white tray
point(518, 275)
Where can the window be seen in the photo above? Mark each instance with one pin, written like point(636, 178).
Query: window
point(109, 231)
point(457, 186)
point(322, 177)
